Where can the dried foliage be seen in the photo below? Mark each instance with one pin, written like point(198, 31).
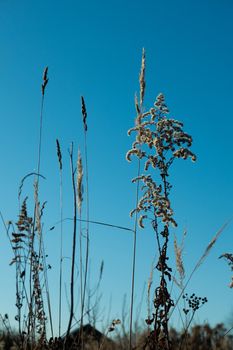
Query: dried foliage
point(29, 263)
point(159, 141)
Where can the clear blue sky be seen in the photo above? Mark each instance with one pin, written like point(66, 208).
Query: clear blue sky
point(93, 48)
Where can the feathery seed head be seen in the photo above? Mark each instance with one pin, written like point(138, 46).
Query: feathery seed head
point(179, 261)
point(142, 78)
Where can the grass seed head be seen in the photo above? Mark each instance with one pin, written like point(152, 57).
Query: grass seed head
point(84, 113)
point(45, 80)
point(142, 78)
point(59, 155)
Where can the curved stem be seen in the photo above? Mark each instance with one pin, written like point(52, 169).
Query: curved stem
point(73, 246)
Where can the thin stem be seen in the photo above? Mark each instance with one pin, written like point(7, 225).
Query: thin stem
point(47, 288)
point(186, 331)
point(40, 135)
point(31, 326)
point(61, 255)
point(74, 245)
point(97, 223)
point(134, 261)
point(199, 262)
point(87, 232)
point(81, 270)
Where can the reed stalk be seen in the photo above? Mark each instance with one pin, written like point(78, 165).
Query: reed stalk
point(59, 155)
point(84, 115)
point(73, 245)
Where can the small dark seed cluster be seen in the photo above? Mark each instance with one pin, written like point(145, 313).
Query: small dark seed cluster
point(194, 302)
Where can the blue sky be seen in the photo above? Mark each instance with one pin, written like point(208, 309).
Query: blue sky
point(94, 49)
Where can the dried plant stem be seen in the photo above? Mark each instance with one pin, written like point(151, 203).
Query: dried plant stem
point(81, 272)
point(40, 134)
point(199, 263)
point(43, 86)
point(31, 321)
point(184, 339)
point(134, 263)
point(61, 255)
point(18, 273)
point(159, 140)
point(79, 202)
point(84, 116)
point(228, 331)
point(87, 227)
point(6, 228)
point(73, 246)
point(47, 290)
point(139, 110)
point(22, 183)
point(59, 155)
point(98, 223)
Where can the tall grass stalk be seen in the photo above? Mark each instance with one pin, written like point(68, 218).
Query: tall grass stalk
point(59, 155)
point(34, 268)
point(73, 244)
point(84, 115)
point(133, 267)
point(79, 202)
point(45, 268)
point(43, 86)
point(139, 109)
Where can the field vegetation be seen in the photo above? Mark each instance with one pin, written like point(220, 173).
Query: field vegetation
point(159, 142)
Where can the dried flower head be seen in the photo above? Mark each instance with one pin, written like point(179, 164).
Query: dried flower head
point(142, 78)
point(179, 260)
point(193, 302)
point(45, 80)
point(59, 155)
point(84, 113)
